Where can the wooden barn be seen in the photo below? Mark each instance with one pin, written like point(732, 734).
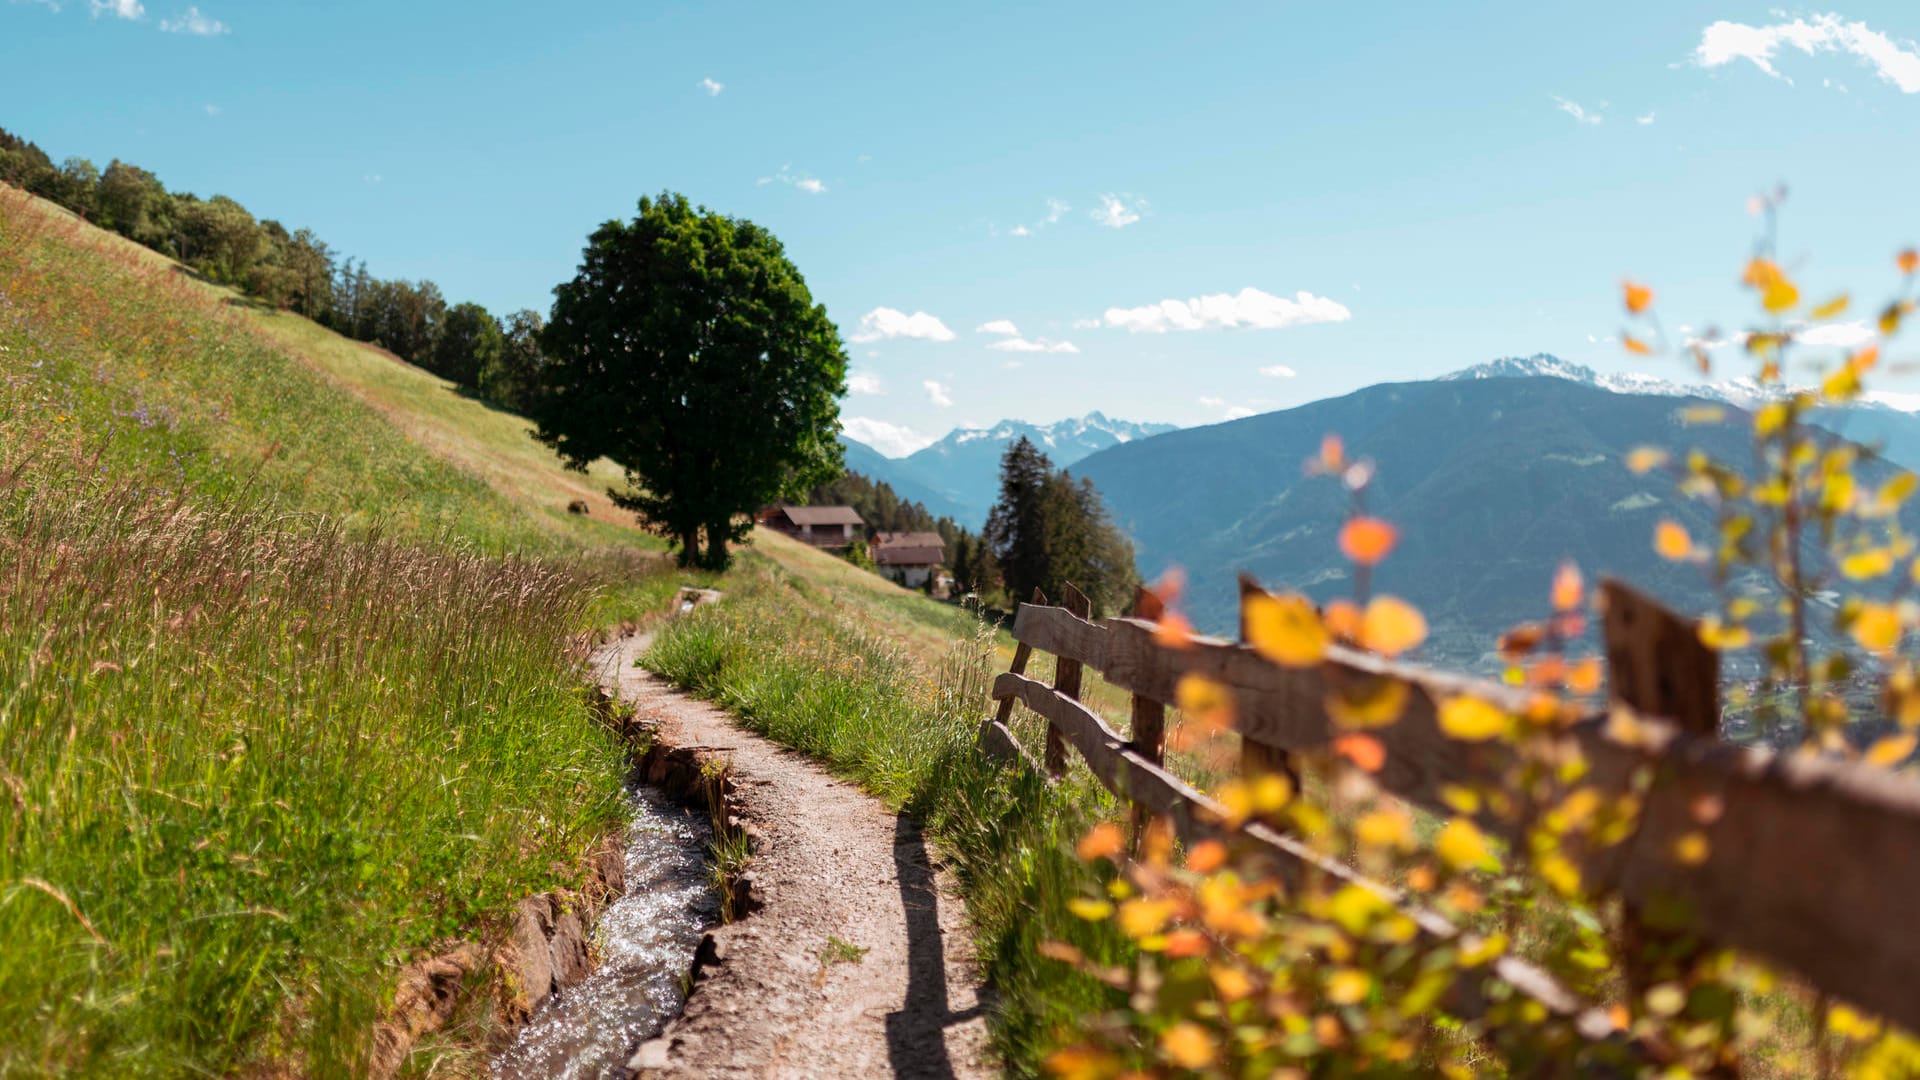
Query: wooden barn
point(909, 558)
point(821, 526)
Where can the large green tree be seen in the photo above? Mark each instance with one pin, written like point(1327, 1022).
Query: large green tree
point(688, 349)
point(469, 342)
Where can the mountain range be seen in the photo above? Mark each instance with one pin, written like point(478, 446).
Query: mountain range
point(1493, 477)
point(959, 476)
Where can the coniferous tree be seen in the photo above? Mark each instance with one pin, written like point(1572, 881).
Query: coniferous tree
point(1049, 530)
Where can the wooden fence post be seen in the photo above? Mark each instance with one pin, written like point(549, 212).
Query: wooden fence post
point(1257, 759)
point(1000, 720)
point(1148, 730)
point(1658, 667)
point(1066, 683)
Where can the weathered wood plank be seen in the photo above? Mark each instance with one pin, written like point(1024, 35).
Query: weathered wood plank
point(1022, 653)
point(1810, 861)
point(997, 741)
point(1066, 682)
point(1656, 663)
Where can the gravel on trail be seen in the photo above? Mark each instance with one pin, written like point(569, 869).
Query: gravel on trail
point(777, 997)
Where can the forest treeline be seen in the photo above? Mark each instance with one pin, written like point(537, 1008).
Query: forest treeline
point(293, 270)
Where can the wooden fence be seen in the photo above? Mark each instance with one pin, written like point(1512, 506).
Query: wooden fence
point(1813, 865)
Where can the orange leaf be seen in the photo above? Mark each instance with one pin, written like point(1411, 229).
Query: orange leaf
point(1367, 540)
point(1391, 626)
point(1103, 841)
point(1634, 345)
point(1638, 297)
point(1173, 631)
point(1908, 261)
point(1364, 751)
point(1670, 539)
point(1568, 587)
point(1333, 453)
point(1206, 856)
point(1343, 620)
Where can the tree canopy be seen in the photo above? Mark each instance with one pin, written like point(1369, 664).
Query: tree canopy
point(1049, 530)
point(688, 349)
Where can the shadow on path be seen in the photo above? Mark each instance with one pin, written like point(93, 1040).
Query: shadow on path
point(916, 1035)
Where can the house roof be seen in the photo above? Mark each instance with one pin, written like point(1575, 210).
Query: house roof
point(822, 515)
point(909, 549)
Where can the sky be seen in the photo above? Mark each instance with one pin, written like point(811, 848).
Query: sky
point(1175, 213)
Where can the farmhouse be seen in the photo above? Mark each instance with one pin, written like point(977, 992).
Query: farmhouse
point(821, 526)
point(909, 558)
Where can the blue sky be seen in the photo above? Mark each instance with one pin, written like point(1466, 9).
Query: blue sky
point(1406, 189)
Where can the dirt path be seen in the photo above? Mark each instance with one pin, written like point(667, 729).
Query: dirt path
point(832, 863)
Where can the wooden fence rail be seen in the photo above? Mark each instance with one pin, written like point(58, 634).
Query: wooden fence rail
point(1813, 865)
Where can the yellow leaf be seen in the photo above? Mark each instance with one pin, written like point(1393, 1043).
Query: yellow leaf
point(1188, 1045)
point(1645, 459)
point(1090, 910)
point(1463, 846)
point(1770, 418)
point(1870, 563)
point(1348, 986)
point(1891, 750)
point(1666, 999)
point(1670, 539)
point(1205, 702)
point(1367, 702)
point(1829, 309)
point(1722, 636)
point(1702, 414)
point(1842, 384)
point(1471, 719)
point(1141, 917)
point(1691, 849)
point(1285, 629)
point(1779, 295)
point(1478, 951)
point(1384, 828)
point(1877, 627)
point(1391, 626)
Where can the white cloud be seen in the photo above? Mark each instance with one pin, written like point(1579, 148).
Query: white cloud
point(997, 326)
point(893, 440)
point(214, 110)
point(886, 322)
point(1114, 212)
point(861, 382)
point(1043, 345)
point(1724, 42)
point(1644, 119)
point(939, 393)
point(1278, 371)
point(124, 9)
point(1086, 324)
point(1056, 209)
point(787, 176)
point(1839, 335)
point(1021, 230)
point(1573, 109)
point(1248, 308)
point(372, 178)
point(192, 21)
point(1239, 412)
point(1212, 402)
point(712, 88)
point(1014, 365)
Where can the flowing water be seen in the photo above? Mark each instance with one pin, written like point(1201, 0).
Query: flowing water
point(646, 941)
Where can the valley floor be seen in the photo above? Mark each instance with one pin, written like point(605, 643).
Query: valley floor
point(835, 866)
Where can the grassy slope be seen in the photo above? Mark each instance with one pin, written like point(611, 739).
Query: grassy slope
point(253, 757)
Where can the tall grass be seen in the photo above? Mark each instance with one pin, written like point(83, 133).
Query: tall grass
point(808, 673)
point(248, 768)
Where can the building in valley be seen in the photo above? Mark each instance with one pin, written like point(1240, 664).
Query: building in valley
point(821, 526)
point(910, 558)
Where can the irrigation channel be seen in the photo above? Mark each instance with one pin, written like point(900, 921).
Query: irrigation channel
point(646, 941)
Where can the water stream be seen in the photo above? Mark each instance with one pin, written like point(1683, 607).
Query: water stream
point(646, 941)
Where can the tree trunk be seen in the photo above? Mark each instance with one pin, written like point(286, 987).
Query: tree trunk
point(717, 557)
point(689, 547)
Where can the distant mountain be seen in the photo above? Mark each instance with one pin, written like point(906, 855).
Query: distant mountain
point(1887, 422)
point(905, 481)
point(965, 466)
point(1492, 480)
